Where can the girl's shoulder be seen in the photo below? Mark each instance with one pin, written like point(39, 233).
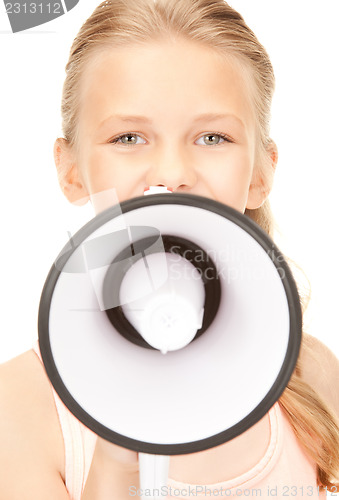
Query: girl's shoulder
point(320, 369)
point(31, 440)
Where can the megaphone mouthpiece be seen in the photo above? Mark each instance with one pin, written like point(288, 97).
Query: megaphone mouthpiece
point(169, 318)
point(157, 190)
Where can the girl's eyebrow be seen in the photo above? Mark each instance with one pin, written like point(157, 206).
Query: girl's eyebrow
point(209, 117)
point(127, 118)
point(206, 117)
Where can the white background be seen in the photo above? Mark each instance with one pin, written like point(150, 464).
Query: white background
point(302, 40)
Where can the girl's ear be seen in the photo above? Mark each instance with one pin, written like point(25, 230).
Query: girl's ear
point(68, 173)
point(262, 178)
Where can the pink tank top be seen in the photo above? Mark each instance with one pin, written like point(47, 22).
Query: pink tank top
point(284, 471)
point(79, 444)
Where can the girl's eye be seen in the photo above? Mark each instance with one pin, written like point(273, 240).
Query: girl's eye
point(128, 139)
point(205, 140)
point(212, 139)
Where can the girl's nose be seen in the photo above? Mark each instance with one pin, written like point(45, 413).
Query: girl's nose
point(172, 170)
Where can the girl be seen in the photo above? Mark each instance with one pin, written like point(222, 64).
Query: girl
point(174, 93)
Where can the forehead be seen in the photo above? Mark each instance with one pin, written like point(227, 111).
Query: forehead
point(170, 80)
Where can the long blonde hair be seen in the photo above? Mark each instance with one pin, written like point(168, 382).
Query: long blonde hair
point(215, 24)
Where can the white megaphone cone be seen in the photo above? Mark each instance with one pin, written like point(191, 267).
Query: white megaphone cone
point(160, 304)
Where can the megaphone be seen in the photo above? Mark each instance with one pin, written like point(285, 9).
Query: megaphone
point(161, 304)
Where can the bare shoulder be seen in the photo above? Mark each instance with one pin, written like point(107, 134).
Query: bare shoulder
point(320, 369)
point(31, 439)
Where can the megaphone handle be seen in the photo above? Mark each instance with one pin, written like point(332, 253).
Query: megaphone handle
point(153, 475)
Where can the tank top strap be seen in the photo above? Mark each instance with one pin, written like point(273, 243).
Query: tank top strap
point(79, 443)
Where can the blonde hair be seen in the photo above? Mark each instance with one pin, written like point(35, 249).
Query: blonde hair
point(215, 24)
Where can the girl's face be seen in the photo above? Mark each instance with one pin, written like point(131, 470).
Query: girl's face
point(173, 114)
